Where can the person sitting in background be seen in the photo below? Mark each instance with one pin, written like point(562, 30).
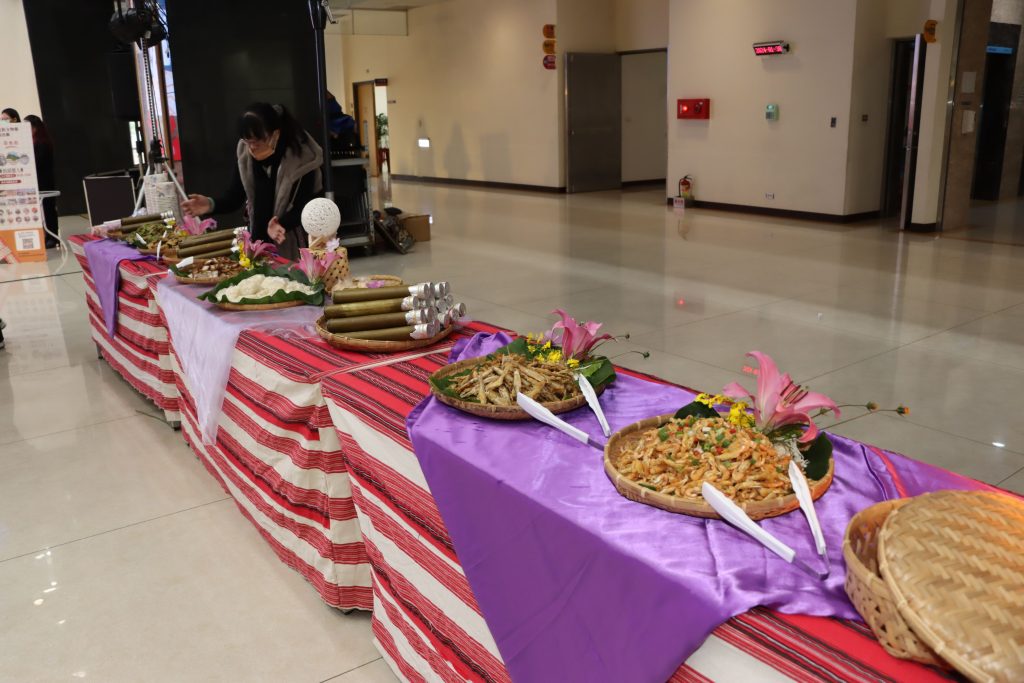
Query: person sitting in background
point(278, 172)
point(43, 148)
point(340, 125)
point(10, 116)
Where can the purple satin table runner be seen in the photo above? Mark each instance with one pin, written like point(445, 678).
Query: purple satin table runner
point(104, 256)
point(204, 339)
point(577, 583)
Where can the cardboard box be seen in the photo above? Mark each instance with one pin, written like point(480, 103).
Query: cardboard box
point(418, 226)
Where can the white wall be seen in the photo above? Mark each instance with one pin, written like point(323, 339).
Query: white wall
point(469, 77)
point(737, 156)
point(17, 75)
point(641, 24)
point(644, 129)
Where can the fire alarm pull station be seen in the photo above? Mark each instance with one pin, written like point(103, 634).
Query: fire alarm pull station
point(693, 109)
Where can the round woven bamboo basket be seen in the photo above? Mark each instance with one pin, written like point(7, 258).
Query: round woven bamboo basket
point(695, 507)
point(340, 341)
point(954, 561)
point(257, 307)
point(496, 412)
point(870, 594)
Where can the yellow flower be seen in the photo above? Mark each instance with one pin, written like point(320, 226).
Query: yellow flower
point(546, 346)
point(704, 399)
point(245, 261)
point(554, 356)
point(739, 416)
point(572, 363)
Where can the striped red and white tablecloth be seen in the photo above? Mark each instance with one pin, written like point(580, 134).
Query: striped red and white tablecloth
point(138, 350)
point(278, 455)
point(425, 619)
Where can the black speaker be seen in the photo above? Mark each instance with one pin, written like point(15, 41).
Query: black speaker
point(124, 89)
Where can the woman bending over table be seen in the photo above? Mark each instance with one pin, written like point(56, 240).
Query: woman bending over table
point(278, 172)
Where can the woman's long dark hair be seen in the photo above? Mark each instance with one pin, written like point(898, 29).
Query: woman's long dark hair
point(39, 133)
point(12, 114)
point(261, 119)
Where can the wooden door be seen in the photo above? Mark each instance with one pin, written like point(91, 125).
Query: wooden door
point(366, 119)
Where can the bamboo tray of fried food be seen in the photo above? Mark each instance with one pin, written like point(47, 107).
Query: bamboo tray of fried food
point(489, 389)
point(628, 437)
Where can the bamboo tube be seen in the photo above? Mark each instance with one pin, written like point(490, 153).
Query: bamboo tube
point(381, 321)
point(212, 254)
point(139, 220)
point(424, 290)
point(373, 307)
point(215, 236)
point(398, 333)
point(193, 250)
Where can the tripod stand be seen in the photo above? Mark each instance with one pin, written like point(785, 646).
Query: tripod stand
point(155, 161)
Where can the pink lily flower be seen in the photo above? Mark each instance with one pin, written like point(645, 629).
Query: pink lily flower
point(257, 249)
point(778, 401)
point(577, 340)
point(315, 268)
point(194, 226)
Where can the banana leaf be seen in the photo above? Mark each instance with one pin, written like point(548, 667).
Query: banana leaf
point(314, 299)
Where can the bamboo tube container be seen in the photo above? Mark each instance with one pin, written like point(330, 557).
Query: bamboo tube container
point(419, 316)
point(215, 236)
point(197, 249)
point(425, 331)
point(148, 218)
point(210, 254)
point(358, 308)
point(424, 290)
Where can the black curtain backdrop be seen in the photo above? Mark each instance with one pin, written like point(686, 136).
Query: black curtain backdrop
point(70, 40)
point(226, 55)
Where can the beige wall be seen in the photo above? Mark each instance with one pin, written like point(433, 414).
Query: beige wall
point(641, 24)
point(737, 156)
point(335, 63)
point(17, 75)
point(469, 77)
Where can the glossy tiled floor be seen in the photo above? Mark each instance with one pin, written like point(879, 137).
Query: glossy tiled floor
point(122, 560)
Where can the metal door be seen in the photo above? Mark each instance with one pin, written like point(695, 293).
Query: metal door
point(913, 132)
point(593, 112)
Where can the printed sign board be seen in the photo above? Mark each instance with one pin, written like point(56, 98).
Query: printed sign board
point(21, 215)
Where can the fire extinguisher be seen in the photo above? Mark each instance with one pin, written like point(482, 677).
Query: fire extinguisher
point(686, 188)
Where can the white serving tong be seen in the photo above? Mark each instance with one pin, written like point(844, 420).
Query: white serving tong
point(733, 514)
point(542, 414)
point(588, 392)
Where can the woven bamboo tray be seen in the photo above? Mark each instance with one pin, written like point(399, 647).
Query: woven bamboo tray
point(257, 307)
point(954, 561)
point(340, 341)
point(695, 507)
point(210, 281)
point(496, 412)
point(870, 594)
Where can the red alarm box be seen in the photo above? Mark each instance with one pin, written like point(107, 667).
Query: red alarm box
point(693, 109)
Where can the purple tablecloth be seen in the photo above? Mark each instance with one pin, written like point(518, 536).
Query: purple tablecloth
point(579, 584)
point(204, 338)
point(104, 256)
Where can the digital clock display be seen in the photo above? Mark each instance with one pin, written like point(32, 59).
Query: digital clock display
point(774, 47)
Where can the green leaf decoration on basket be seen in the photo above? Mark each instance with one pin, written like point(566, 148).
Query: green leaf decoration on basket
point(697, 410)
point(314, 299)
point(818, 456)
point(598, 370)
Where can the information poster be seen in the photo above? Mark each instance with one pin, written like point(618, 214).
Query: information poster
point(21, 216)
